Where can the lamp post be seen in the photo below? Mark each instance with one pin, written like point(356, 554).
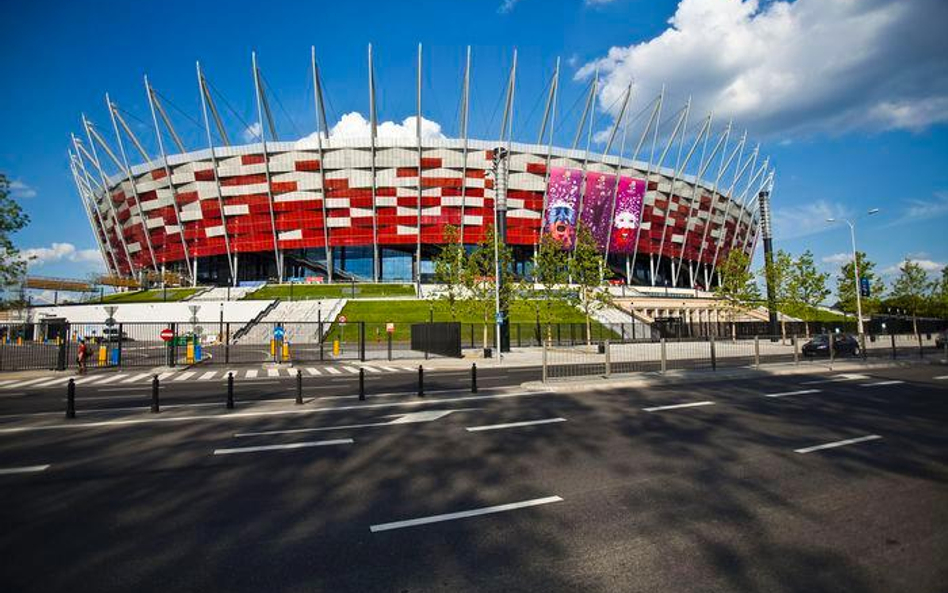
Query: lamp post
point(852, 236)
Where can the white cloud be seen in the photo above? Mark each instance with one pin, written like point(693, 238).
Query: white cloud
point(252, 133)
point(598, 2)
point(929, 266)
point(507, 6)
point(354, 125)
point(57, 252)
point(20, 190)
point(785, 68)
point(837, 258)
point(918, 210)
point(808, 219)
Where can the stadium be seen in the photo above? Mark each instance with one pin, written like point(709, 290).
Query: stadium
point(323, 208)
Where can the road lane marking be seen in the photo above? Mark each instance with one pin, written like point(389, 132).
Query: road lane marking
point(2, 383)
point(283, 447)
point(941, 378)
point(111, 379)
point(676, 406)
point(185, 376)
point(273, 372)
point(786, 393)
point(251, 374)
point(25, 383)
point(137, 378)
point(409, 369)
point(844, 377)
point(28, 469)
point(333, 371)
point(371, 369)
point(352, 370)
point(122, 389)
point(312, 371)
point(394, 370)
point(207, 375)
point(56, 381)
point(464, 514)
point(871, 437)
point(165, 375)
point(410, 418)
point(513, 424)
point(881, 383)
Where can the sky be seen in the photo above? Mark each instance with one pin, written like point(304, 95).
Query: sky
point(849, 98)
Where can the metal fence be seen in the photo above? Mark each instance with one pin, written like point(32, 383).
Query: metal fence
point(607, 358)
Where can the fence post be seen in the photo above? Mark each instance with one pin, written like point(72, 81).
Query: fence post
point(894, 356)
point(608, 359)
point(473, 377)
point(299, 387)
point(862, 346)
point(921, 349)
point(230, 391)
point(664, 359)
point(71, 399)
point(832, 349)
point(796, 349)
point(545, 346)
point(421, 381)
point(389, 334)
point(173, 349)
point(756, 351)
point(322, 340)
point(714, 357)
point(362, 341)
point(227, 343)
point(118, 356)
point(154, 394)
point(361, 384)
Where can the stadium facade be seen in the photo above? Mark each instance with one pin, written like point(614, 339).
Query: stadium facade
point(376, 208)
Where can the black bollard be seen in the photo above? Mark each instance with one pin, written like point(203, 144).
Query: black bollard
point(421, 381)
point(71, 399)
point(299, 387)
point(154, 394)
point(361, 384)
point(230, 391)
point(473, 377)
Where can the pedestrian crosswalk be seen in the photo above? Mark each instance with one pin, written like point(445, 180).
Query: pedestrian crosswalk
point(133, 378)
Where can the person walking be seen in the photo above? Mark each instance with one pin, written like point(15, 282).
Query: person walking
point(81, 356)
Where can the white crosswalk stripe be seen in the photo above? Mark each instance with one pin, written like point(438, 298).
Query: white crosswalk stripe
point(56, 381)
point(251, 374)
point(111, 379)
point(333, 371)
point(390, 369)
point(372, 369)
point(352, 370)
point(2, 383)
point(90, 380)
point(409, 368)
point(185, 376)
point(207, 375)
point(273, 372)
point(136, 378)
point(165, 375)
point(24, 383)
point(313, 371)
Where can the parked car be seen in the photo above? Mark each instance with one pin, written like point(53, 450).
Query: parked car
point(941, 339)
point(843, 344)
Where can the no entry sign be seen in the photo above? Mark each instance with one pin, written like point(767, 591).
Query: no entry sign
point(167, 335)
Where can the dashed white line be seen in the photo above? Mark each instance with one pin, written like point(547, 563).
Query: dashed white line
point(845, 377)
point(871, 437)
point(881, 383)
point(677, 406)
point(464, 514)
point(786, 393)
point(28, 469)
point(513, 424)
point(941, 377)
point(283, 447)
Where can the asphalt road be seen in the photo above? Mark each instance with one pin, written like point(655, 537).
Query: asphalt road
point(614, 491)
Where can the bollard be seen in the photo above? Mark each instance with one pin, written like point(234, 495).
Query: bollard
point(154, 394)
point(421, 381)
point(473, 377)
point(361, 384)
point(756, 351)
point(230, 391)
point(71, 399)
point(714, 356)
point(299, 387)
point(664, 360)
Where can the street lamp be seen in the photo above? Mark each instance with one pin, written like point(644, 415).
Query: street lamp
point(852, 236)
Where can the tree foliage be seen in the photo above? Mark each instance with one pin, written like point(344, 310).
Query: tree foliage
point(736, 285)
point(911, 287)
point(550, 277)
point(587, 270)
point(449, 267)
point(806, 288)
point(478, 279)
point(12, 219)
point(846, 286)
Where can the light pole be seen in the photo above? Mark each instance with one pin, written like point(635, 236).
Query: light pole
point(852, 236)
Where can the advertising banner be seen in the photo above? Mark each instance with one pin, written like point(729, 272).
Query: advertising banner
point(628, 215)
point(562, 201)
point(597, 205)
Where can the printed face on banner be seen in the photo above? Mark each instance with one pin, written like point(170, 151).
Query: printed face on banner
point(562, 199)
point(597, 205)
point(628, 215)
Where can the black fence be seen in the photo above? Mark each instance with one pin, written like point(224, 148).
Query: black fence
point(442, 338)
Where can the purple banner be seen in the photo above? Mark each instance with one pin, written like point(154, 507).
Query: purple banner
point(562, 200)
point(597, 205)
point(628, 215)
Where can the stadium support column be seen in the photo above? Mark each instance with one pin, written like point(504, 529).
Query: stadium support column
point(373, 133)
point(738, 152)
point(106, 256)
point(266, 165)
point(501, 154)
point(764, 199)
point(420, 153)
point(549, 112)
point(751, 162)
point(465, 95)
point(655, 118)
point(322, 128)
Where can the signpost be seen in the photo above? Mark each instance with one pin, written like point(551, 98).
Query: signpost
point(167, 334)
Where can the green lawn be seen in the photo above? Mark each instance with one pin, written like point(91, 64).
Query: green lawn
point(814, 314)
point(324, 291)
point(149, 296)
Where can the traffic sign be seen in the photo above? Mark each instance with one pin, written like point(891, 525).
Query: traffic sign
point(167, 335)
point(343, 319)
point(390, 328)
point(864, 287)
point(278, 332)
point(499, 317)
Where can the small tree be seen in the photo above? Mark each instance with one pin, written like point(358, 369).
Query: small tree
point(777, 276)
point(478, 279)
point(449, 270)
point(806, 288)
point(940, 293)
point(587, 269)
point(911, 287)
point(12, 219)
point(846, 286)
point(551, 272)
point(736, 286)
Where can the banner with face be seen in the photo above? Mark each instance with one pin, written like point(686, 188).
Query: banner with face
point(627, 216)
point(562, 200)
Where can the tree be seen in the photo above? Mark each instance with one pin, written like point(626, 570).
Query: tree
point(587, 270)
point(478, 279)
point(806, 288)
point(846, 286)
point(777, 277)
point(449, 269)
point(551, 272)
point(12, 219)
point(940, 293)
point(736, 286)
point(911, 287)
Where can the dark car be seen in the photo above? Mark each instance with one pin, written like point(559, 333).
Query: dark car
point(941, 339)
point(843, 345)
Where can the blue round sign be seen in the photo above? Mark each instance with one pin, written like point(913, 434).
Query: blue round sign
point(278, 332)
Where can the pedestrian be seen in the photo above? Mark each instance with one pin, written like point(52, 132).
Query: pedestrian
point(81, 356)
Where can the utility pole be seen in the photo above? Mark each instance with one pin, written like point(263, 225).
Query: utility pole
point(763, 199)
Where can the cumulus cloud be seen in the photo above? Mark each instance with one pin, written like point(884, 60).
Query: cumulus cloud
point(507, 5)
point(929, 266)
point(58, 252)
point(354, 125)
point(807, 219)
point(797, 68)
point(919, 210)
point(20, 190)
point(252, 133)
point(837, 259)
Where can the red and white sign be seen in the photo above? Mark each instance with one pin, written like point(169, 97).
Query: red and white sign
point(390, 328)
point(167, 335)
point(342, 319)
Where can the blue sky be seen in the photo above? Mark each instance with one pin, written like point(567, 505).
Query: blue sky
point(850, 99)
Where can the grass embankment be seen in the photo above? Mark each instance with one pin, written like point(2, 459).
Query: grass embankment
point(814, 314)
point(403, 313)
point(149, 296)
point(329, 291)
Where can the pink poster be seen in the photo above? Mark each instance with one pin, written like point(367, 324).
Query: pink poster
point(628, 215)
point(597, 205)
point(562, 200)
